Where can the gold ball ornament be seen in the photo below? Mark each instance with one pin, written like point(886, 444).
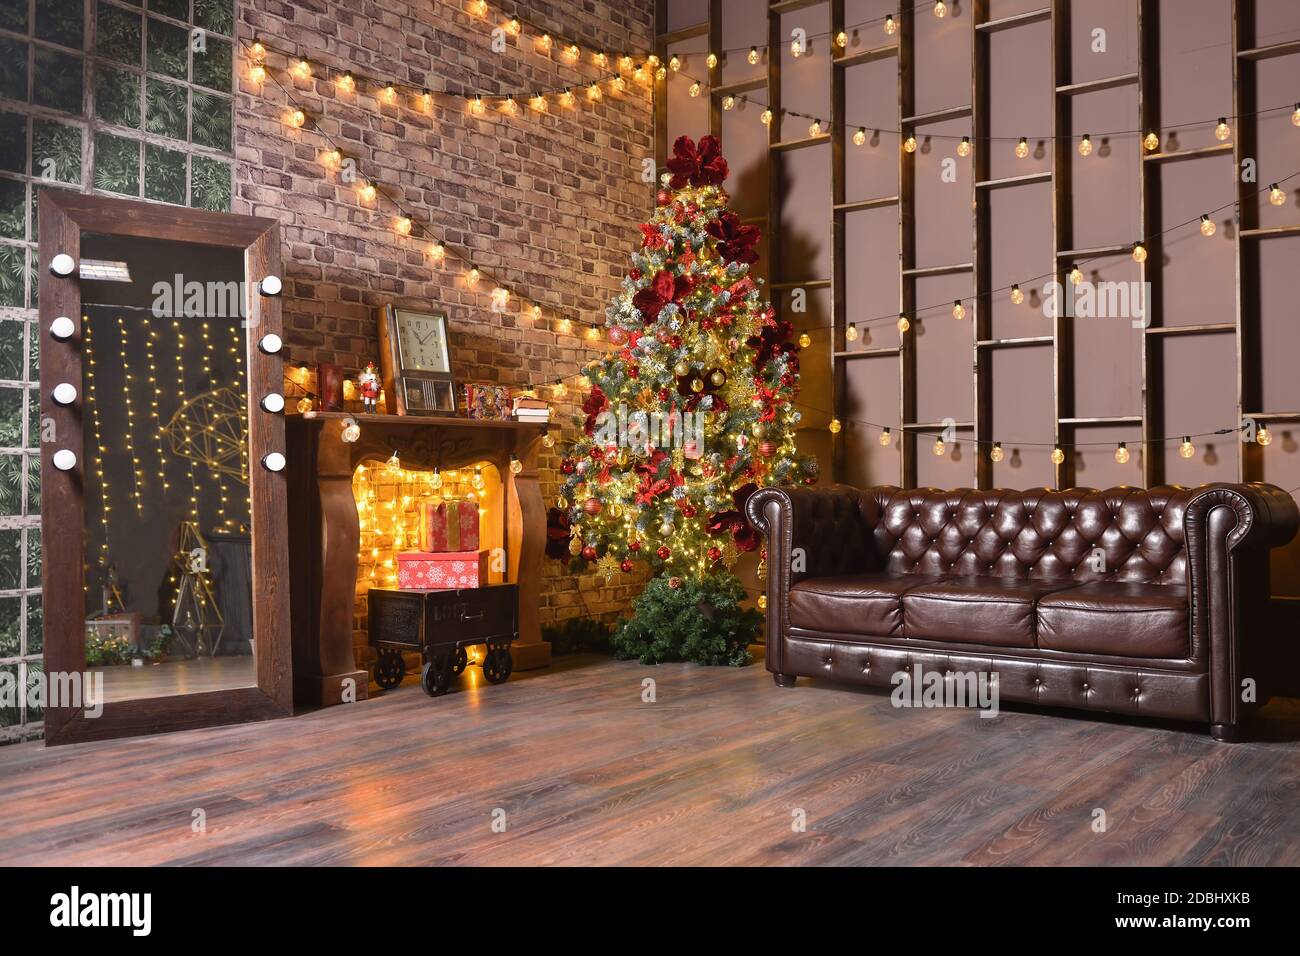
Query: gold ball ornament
point(681, 370)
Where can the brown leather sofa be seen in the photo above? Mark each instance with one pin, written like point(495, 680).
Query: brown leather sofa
point(1132, 601)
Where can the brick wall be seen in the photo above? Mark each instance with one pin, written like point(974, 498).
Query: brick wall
point(547, 205)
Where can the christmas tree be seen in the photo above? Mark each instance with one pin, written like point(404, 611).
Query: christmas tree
point(694, 409)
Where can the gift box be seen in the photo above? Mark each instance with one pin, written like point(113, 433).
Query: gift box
point(453, 569)
point(449, 526)
point(485, 400)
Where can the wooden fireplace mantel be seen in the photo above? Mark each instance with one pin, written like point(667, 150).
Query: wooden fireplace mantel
point(324, 531)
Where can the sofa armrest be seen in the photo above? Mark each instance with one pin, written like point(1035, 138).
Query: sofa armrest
point(810, 532)
point(1229, 530)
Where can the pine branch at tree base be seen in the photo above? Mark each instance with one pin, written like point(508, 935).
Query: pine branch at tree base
point(697, 620)
point(694, 410)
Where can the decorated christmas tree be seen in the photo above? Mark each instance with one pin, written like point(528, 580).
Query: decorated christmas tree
point(694, 409)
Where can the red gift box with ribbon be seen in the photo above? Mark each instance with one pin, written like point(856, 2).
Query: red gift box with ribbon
point(449, 526)
point(421, 570)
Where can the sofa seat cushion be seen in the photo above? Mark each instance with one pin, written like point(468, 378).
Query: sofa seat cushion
point(977, 610)
point(1119, 619)
point(869, 604)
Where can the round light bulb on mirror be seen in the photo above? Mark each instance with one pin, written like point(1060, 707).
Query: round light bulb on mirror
point(766, 117)
point(1295, 117)
point(728, 102)
point(1017, 297)
point(1275, 195)
point(270, 343)
point(1122, 454)
point(270, 285)
point(64, 459)
point(712, 60)
point(273, 403)
point(695, 88)
point(63, 328)
point(841, 39)
point(1222, 131)
point(1058, 455)
point(1263, 436)
point(1207, 226)
point(815, 129)
point(996, 453)
point(65, 393)
point(273, 461)
point(1085, 145)
point(940, 9)
point(1186, 449)
point(885, 438)
point(63, 264)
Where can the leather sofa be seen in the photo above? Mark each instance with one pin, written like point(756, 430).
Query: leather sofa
point(1131, 601)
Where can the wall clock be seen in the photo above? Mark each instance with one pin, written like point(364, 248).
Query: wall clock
point(415, 362)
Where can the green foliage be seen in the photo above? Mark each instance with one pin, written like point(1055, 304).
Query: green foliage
point(56, 151)
point(164, 108)
point(117, 96)
point(701, 620)
point(168, 48)
point(577, 634)
point(117, 164)
point(209, 184)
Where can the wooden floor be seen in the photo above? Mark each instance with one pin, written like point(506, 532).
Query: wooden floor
point(710, 773)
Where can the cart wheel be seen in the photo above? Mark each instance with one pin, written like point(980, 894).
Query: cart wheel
point(435, 680)
point(497, 665)
point(390, 669)
point(459, 661)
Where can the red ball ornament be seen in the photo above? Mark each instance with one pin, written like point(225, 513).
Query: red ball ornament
point(767, 448)
point(566, 466)
point(675, 341)
point(662, 336)
point(589, 553)
point(663, 197)
point(595, 452)
point(617, 336)
point(706, 324)
point(664, 552)
point(633, 371)
point(714, 554)
point(634, 546)
point(674, 583)
point(688, 511)
point(787, 379)
point(592, 506)
point(627, 566)
point(634, 275)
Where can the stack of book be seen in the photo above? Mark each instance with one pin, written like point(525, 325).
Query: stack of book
point(531, 410)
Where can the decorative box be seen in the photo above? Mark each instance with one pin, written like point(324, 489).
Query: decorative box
point(451, 569)
point(484, 400)
point(449, 526)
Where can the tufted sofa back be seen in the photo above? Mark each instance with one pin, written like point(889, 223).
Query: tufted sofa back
point(1120, 534)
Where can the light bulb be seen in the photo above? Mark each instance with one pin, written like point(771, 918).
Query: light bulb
point(574, 53)
point(938, 447)
point(472, 277)
point(481, 8)
point(368, 192)
point(1151, 141)
point(510, 106)
point(602, 59)
point(304, 405)
point(539, 103)
point(1187, 449)
point(548, 439)
point(1295, 117)
point(257, 50)
point(805, 340)
point(620, 84)
point(860, 137)
point(963, 148)
point(728, 102)
point(1085, 145)
point(903, 324)
point(1058, 456)
point(1207, 226)
point(712, 61)
point(695, 88)
point(476, 104)
point(996, 454)
point(437, 252)
point(593, 91)
point(909, 144)
point(816, 128)
point(753, 56)
point(1076, 275)
point(661, 73)
point(568, 97)
point(639, 73)
point(958, 310)
point(851, 333)
point(302, 70)
point(675, 64)
point(891, 27)
point(762, 602)
point(1017, 297)
point(885, 438)
point(1121, 453)
point(1275, 195)
point(940, 9)
point(766, 117)
point(390, 93)
point(257, 73)
point(426, 101)
point(1223, 130)
point(1022, 148)
point(403, 225)
point(1139, 252)
point(796, 49)
point(546, 41)
point(833, 426)
point(346, 83)
point(841, 39)
point(1262, 436)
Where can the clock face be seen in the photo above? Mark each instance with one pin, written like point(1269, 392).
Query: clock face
point(423, 342)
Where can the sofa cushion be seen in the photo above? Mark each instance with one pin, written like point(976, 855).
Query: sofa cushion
point(1117, 618)
point(863, 604)
point(977, 609)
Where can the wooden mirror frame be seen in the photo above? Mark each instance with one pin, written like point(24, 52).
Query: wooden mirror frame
point(64, 217)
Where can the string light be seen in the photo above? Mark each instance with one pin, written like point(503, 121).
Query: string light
point(938, 447)
point(805, 340)
point(346, 83)
point(639, 75)
point(996, 454)
point(940, 9)
point(860, 137)
point(885, 437)
point(513, 26)
point(816, 128)
point(1262, 436)
point(390, 93)
point(437, 252)
point(796, 48)
point(625, 62)
point(426, 101)
point(301, 69)
point(1085, 145)
point(332, 158)
point(851, 333)
point(1295, 117)
point(1275, 195)
point(958, 310)
point(257, 73)
point(1187, 449)
point(728, 102)
point(963, 148)
point(903, 324)
point(753, 56)
point(841, 39)
point(568, 98)
point(257, 50)
point(539, 102)
point(695, 88)
point(1207, 226)
point(472, 277)
point(890, 26)
point(766, 117)
point(1076, 274)
point(661, 73)
point(367, 192)
point(575, 53)
point(510, 106)
point(593, 91)
point(712, 61)
point(1017, 297)
point(1222, 131)
point(295, 118)
point(1139, 252)
point(909, 144)
point(1121, 453)
point(481, 7)
point(127, 388)
point(675, 64)
point(1151, 141)
point(1022, 148)
point(1058, 455)
point(833, 426)
point(546, 42)
point(403, 225)
point(476, 105)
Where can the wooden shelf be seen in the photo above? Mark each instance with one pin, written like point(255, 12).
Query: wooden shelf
point(793, 144)
point(1112, 420)
point(1268, 52)
point(928, 271)
point(861, 204)
point(1096, 86)
point(864, 353)
point(1272, 232)
point(1273, 416)
point(1216, 328)
point(1015, 342)
point(685, 33)
point(928, 426)
point(867, 56)
point(806, 284)
point(1015, 20)
point(1094, 252)
point(739, 87)
point(937, 116)
point(1043, 177)
point(1219, 149)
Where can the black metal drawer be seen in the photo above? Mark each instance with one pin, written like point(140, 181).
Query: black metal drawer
point(422, 618)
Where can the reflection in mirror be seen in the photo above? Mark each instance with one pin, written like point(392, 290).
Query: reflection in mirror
point(168, 562)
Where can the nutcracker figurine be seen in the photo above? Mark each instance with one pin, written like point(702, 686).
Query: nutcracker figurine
point(368, 385)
